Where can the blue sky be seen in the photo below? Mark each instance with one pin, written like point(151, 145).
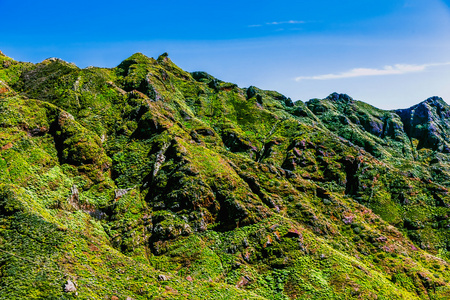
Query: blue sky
point(390, 53)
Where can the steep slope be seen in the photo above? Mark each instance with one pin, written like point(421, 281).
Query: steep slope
point(147, 181)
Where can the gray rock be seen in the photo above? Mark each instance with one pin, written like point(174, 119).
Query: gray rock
point(162, 277)
point(70, 287)
point(121, 192)
point(74, 197)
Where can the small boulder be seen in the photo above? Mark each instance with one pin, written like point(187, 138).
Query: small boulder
point(162, 277)
point(69, 287)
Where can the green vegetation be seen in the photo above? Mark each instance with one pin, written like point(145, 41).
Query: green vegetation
point(148, 182)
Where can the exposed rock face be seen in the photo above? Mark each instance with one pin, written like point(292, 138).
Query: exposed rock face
point(251, 92)
point(429, 123)
point(74, 197)
point(236, 143)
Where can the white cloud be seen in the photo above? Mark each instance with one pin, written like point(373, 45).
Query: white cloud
point(285, 22)
point(278, 23)
point(387, 70)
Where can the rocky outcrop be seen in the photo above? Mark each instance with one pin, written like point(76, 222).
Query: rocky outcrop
point(235, 143)
point(377, 131)
point(78, 146)
point(429, 123)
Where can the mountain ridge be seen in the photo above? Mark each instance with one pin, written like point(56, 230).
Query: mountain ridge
point(145, 181)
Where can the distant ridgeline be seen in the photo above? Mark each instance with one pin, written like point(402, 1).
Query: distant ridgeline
point(148, 182)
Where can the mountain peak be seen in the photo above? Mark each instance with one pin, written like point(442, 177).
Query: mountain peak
point(138, 55)
point(428, 122)
point(339, 97)
point(434, 101)
point(137, 58)
point(56, 60)
point(163, 56)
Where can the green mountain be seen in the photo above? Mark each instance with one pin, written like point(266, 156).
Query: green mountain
point(148, 182)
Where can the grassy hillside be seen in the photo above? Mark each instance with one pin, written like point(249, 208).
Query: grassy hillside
point(145, 181)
